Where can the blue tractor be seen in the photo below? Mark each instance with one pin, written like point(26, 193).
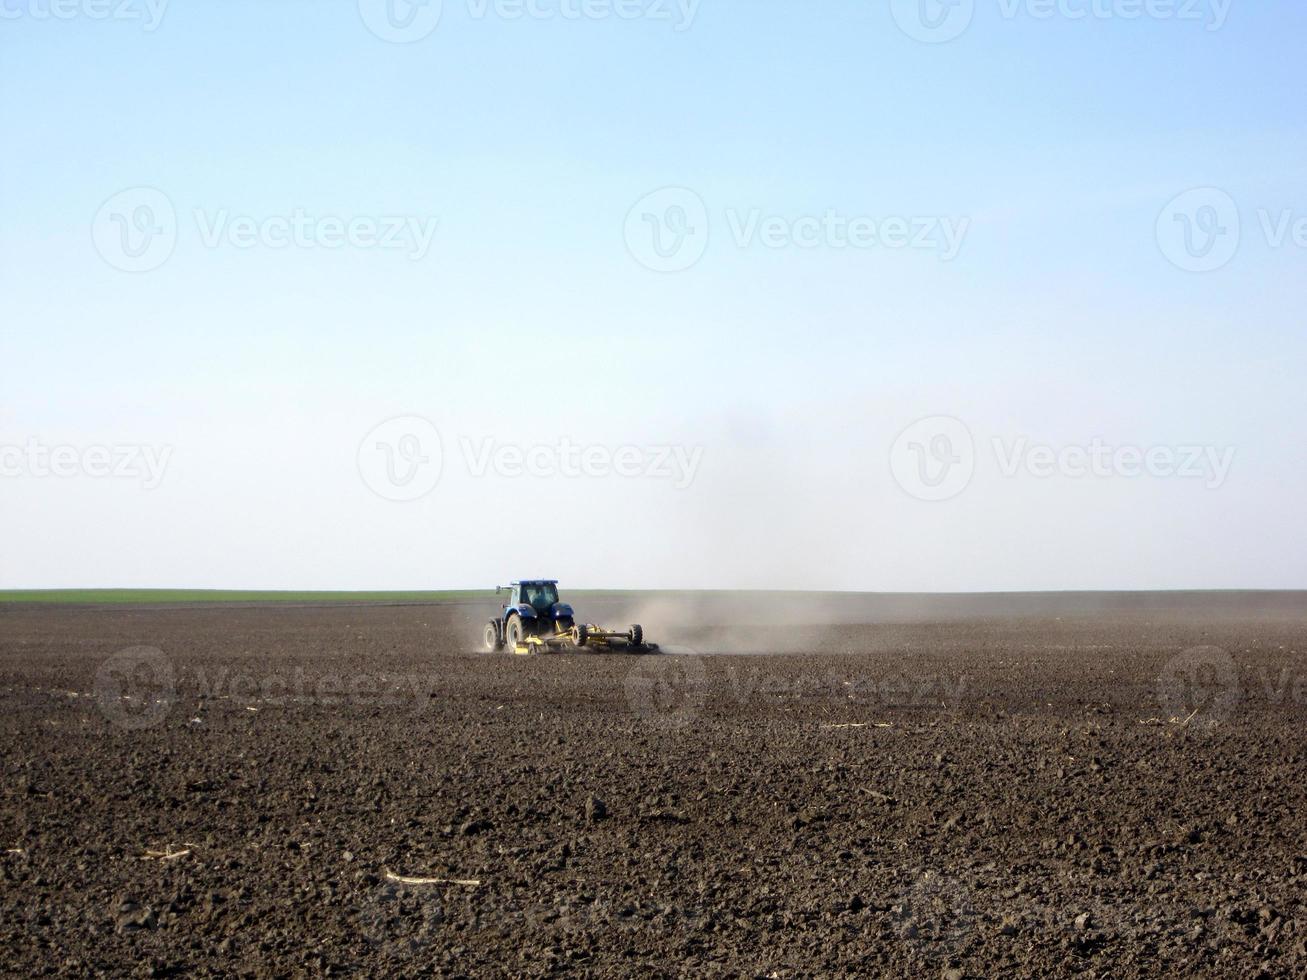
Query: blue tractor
point(533, 620)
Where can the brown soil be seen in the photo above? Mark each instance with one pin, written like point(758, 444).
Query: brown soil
point(1106, 786)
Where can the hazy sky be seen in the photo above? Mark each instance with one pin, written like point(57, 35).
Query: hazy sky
point(862, 294)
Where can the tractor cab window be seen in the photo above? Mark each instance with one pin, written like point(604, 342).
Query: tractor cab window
point(540, 597)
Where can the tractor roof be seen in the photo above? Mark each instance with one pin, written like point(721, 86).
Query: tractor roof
point(537, 581)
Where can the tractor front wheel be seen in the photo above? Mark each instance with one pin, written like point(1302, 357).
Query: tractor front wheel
point(491, 639)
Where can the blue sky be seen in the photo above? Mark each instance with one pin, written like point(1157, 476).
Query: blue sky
point(520, 167)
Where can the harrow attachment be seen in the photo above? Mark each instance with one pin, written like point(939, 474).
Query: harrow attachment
point(588, 637)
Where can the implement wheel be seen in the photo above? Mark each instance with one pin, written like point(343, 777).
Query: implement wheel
point(637, 635)
point(581, 635)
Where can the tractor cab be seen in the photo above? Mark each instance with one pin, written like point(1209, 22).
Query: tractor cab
point(531, 598)
point(540, 596)
point(534, 608)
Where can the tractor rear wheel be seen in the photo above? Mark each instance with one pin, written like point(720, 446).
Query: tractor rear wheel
point(637, 635)
point(514, 633)
point(491, 640)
